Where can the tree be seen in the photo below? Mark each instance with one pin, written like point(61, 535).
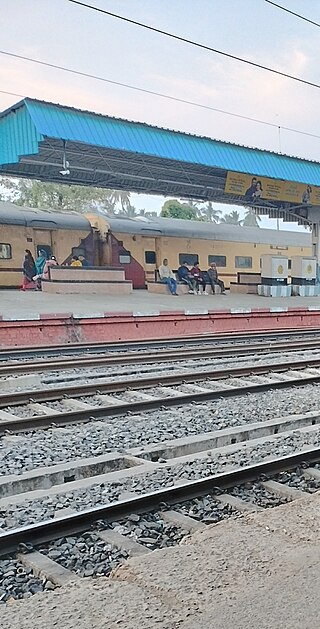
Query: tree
point(172, 208)
point(120, 197)
point(210, 213)
point(232, 219)
point(43, 195)
point(251, 219)
point(56, 196)
point(129, 211)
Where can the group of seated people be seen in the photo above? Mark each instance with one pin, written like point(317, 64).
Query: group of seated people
point(194, 278)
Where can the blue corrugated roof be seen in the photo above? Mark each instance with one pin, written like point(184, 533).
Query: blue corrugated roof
point(24, 125)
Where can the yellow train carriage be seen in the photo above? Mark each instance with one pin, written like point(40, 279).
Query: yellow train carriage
point(140, 244)
point(59, 234)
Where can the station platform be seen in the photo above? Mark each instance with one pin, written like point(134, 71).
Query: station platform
point(260, 570)
point(36, 318)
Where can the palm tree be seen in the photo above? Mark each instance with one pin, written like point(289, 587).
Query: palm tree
point(232, 219)
point(121, 197)
point(129, 211)
point(210, 213)
point(251, 219)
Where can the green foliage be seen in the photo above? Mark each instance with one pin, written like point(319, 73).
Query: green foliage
point(172, 208)
point(210, 213)
point(232, 219)
point(44, 195)
point(251, 219)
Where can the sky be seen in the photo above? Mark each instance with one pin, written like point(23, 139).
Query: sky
point(59, 32)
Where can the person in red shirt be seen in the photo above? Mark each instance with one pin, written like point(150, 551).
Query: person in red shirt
point(198, 276)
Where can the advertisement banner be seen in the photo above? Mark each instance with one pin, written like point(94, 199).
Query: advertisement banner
point(253, 188)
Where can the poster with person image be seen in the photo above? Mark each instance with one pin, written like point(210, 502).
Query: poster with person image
point(255, 188)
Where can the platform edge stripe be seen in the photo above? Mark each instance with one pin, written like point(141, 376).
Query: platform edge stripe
point(31, 317)
point(315, 307)
point(55, 315)
point(240, 310)
point(279, 309)
point(151, 313)
point(196, 312)
point(90, 315)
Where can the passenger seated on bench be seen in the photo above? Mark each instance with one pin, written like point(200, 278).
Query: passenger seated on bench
point(198, 276)
point(213, 278)
point(185, 276)
point(168, 277)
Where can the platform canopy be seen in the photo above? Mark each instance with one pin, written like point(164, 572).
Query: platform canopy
point(50, 142)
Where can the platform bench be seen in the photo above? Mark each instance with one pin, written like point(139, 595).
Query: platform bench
point(182, 288)
point(86, 280)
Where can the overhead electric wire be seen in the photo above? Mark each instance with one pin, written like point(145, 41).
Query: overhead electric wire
point(153, 93)
point(12, 93)
point(194, 43)
point(301, 17)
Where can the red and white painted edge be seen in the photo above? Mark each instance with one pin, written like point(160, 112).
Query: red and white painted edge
point(156, 313)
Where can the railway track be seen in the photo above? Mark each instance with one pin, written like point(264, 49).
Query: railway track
point(94, 541)
point(25, 353)
point(148, 393)
point(160, 356)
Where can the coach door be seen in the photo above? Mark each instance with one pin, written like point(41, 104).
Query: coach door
point(43, 241)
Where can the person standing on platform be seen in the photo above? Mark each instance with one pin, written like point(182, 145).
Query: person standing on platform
point(75, 261)
point(198, 276)
point(214, 279)
point(168, 277)
point(29, 271)
point(40, 264)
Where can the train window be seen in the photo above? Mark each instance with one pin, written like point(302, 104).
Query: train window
point(150, 257)
point(124, 258)
point(189, 258)
point(5, 251)
point(243, 262)
point(219, 260)
point(289, 265)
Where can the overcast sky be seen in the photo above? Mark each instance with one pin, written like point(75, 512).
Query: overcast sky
point(59, 32)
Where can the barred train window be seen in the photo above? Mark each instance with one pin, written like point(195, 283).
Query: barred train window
point(189, 258)
point(219, 260)
point(5, 251)
point(243, 262)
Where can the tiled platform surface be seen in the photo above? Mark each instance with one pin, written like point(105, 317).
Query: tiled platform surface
point(20, 305)
point(43, 319)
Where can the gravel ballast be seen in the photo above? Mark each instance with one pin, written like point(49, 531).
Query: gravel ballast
point(48, 447)
point(163, 476)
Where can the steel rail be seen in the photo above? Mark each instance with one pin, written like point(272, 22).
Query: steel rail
point(79, 522)
point(58, 393)
point(160, 356)
point(97, 412)
point(217, 337)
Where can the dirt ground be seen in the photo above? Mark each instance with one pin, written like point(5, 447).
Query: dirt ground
point(258, 571)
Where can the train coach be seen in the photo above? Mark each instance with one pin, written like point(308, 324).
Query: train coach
point(137, 244)
point(58, 233)
point(140, 244)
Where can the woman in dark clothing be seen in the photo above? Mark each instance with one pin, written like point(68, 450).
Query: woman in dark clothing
point(29, 270)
